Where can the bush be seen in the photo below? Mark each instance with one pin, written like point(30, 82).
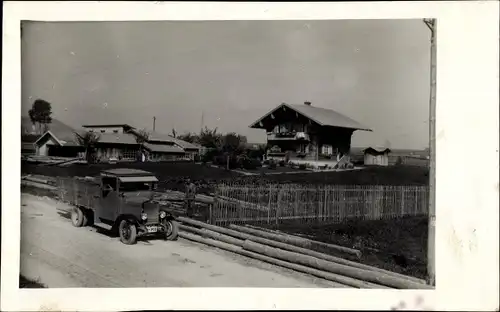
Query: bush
point(249, 163)
point(282, 163)
point(272, 165)
point(302, 166)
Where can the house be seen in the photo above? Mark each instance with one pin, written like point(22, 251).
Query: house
point(50, 144)
point(121, 141)
point(307, 133)
point(162, 147)
point(33, 142)
point(376, 156)
point(118, 141)
point(114, 141)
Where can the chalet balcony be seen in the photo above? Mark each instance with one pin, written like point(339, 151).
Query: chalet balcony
point(287, 136)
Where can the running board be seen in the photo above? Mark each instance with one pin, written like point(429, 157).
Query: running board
point(103, 226)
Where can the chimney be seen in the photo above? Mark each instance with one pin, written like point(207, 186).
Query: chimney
point(307, 103)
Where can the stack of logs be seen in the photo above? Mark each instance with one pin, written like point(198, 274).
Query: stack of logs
point(297, 253)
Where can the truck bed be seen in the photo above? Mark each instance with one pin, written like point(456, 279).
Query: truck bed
point(78, 192)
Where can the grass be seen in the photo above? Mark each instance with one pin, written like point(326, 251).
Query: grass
point(401, 243)
point(28, 283)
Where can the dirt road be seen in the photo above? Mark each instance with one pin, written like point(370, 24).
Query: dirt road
point(60, 255)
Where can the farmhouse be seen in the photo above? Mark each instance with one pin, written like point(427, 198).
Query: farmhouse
point(307, 133)
point(376, 156)
point(116, 141)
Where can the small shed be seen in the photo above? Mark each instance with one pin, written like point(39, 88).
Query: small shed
point(376, 156)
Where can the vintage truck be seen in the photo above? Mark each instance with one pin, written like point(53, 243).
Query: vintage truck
point(121, 200)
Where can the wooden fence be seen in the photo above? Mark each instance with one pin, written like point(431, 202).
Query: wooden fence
point(275, 204)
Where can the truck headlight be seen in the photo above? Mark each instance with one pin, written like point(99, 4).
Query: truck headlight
point(144, 216)
point(163, 214)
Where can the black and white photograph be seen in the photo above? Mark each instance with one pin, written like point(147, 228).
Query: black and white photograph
point(249, 153)
point(239, 152)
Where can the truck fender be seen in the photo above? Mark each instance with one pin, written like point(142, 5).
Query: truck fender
point(128, 217)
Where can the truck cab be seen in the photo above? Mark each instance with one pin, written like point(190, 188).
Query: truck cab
point(125, 204)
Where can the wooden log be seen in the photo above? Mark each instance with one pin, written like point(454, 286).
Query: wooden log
point(214, 228)
point(276, 231)
point(330, 258)
point(213, 235)
point(369, 276)
point(337, 280)
point(284, 246)
point(38, 185)
point(297, 241)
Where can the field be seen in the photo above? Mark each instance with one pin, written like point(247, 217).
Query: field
point(398, 245)
point(173, 174)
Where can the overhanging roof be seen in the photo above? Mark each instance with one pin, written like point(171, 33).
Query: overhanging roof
point(322, 116)
point(138, 179)
point(127, 172)
point(377, 150)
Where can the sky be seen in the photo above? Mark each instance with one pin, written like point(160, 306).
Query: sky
point(227, 74)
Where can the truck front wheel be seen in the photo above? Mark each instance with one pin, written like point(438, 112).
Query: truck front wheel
point(128, 232)
point(77, 217)
point(171, 230)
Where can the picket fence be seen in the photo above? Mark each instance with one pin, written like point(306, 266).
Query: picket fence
point(275, 204)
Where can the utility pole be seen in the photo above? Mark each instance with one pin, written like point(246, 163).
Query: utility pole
point(431, 239)
point(154, 123)
point(202, 121)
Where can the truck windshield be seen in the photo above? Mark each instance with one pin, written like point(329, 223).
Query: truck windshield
point(135, 186)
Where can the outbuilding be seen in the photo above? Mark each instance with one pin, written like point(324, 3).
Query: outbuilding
point(376, 156)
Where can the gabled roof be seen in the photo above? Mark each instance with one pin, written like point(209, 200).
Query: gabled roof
point(159, 137)
point(62, 133)
point(164, 138)
point(185, 145)
point(322, 116)
point(49, 133)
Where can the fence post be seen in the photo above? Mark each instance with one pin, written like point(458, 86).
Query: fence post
point(212, 206)
point(325, 206)
point(269, 204)
point(278, 207)
point(403, 192)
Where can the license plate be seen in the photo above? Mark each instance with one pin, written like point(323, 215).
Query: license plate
point(152, 229)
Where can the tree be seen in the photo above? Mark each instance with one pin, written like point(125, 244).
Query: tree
point(88, 140)
point(40, 115)
point(174, 133)
point(210, 138)
point(141, 137)
point(233, 143)
point(189, 137)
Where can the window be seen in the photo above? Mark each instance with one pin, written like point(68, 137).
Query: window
point(135, 186)
point(115, 131)
point(91, 130)
point(129, 154)
point(102, 130)
point(327, 149)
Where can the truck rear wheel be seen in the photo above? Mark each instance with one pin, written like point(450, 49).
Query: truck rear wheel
point(171, 230)
point(77, 217)
point(128, 232)
point(88, 217)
